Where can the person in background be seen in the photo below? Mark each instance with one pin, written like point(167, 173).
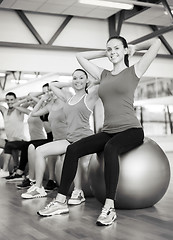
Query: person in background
point(39, 130)
point(121, 130)
point(14, 130)
point(77, 111)
point(51, 106)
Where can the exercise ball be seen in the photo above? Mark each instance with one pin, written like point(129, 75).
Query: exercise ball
point(84, 170)
point(143, 180)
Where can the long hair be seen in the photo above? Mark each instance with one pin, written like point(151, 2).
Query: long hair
point(82, 70)
point(124, 42)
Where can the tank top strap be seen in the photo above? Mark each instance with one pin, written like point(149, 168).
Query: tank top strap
point(86, 103)
point(77, 101)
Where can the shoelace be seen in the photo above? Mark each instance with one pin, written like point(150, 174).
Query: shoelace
point(33, 187)
point(50, 204)
point(75, 194)
point(104, 212)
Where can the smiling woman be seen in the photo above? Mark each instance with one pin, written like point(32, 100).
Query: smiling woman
point(75, 112)
point(121, 130)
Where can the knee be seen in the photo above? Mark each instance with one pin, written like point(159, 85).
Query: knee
point(31, 148)
point(111, 148)
point(8, 148)
point(39, 150)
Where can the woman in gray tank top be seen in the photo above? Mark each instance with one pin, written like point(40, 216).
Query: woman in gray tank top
point(77, 110)
point(118, 134)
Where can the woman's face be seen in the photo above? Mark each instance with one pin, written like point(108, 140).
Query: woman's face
point(48, 92)
point(45, 89)
point(115, 50)
point(31, 102)
point(79, 80)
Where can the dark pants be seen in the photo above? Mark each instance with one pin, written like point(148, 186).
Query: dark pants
point(23, 147)
point(112, 144)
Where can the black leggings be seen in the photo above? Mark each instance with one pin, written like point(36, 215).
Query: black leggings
point(112, 144)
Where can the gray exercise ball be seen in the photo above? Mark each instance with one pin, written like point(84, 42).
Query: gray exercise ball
point(143, 180)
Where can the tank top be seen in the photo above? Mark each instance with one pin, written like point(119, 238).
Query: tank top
point(117, 95)
point(14, 125)
point(36, 128)
point(58, 124)
point(77, 117)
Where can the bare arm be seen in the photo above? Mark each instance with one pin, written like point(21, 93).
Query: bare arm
point(152, 48)
point(84, 60)
point(92, 95)
point(56, 87)
point(2, 109)
point(32, 94)
point(22, 106)
point(34, 97)
point(41, 107)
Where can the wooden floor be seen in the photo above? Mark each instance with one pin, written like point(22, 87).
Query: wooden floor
point(18, 219)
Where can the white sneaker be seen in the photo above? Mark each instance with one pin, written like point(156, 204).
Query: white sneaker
point(77, 197)
point(34, 192)
point(107, 217)
point(54, 208)
point(4, 174)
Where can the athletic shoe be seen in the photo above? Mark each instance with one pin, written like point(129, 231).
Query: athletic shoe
point(34, 192)
point(51, 185)
point(4, 174)
point(107, 217)
point(54, 208)
point(27, 183)
point(15, 177)
point(77, 197)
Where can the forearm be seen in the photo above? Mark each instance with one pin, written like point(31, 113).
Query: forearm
point(92, 68)
point(37, 107)
point(57, 88)
point(147, 44)
point(22, 102)
point(57, 84)
point(89, 55)
point(35, 99)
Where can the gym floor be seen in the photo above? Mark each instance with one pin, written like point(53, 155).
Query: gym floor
point(19, 219)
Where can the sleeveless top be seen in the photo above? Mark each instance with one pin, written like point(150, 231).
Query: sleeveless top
point(117, 95)
point(14, 125)
point(36, 128)
point(77, 116)
point(58, 124)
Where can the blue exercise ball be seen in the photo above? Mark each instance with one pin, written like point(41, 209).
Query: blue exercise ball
point(143, 180)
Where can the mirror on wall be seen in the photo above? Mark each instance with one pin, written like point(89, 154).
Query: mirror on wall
point(154, 88)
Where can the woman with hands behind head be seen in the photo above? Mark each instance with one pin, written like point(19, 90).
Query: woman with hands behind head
point(77, 111)
point(121, 131)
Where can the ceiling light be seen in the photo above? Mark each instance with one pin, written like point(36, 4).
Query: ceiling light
point(108, 4)
point(2, 74)
point(19, 81)
point(29, 75)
